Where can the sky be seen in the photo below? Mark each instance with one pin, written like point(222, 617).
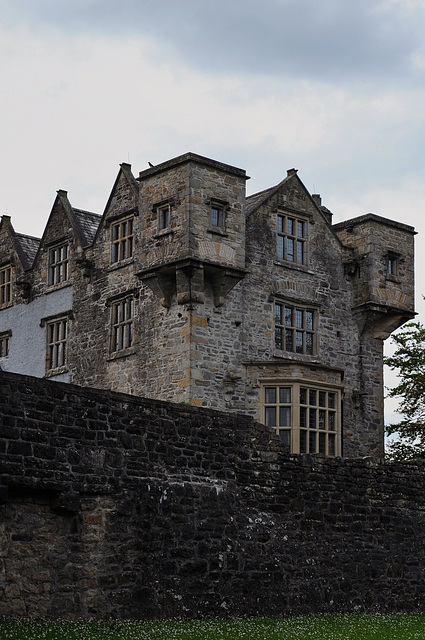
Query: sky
point(334, 88)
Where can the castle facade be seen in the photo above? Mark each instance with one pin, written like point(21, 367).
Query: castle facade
point(187, 290)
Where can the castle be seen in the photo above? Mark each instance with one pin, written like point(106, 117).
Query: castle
point(187, 290)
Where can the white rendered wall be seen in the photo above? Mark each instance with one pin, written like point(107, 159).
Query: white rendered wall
point(27, 347)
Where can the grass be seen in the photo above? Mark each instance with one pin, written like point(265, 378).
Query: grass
point(341, 627)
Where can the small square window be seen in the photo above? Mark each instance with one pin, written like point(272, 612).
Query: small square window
point(217, 216)
point(164, 217)
point(392, 264)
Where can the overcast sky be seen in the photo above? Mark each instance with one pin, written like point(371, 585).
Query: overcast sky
point(335, 88)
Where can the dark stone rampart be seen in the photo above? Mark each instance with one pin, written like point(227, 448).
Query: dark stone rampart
point(117, 506)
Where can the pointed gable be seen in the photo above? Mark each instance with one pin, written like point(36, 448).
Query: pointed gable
point(123, 199)
point(15, 244)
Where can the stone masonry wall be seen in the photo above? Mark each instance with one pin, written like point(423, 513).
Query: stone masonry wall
point(117, 506)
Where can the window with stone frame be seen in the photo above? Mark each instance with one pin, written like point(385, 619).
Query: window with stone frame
point(122, 324)
point(122, 239)
point(295, 328)
point(393, 264)
point(58, 263)
point(306, 417)
point(164, 217)
point(292, 236)
point(56, 338)
point(5, 286)
point(218, 215)
point(5, 344)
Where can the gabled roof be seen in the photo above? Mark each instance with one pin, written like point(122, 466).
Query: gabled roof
point(29, 247)
point(124, 171)
point(88, 223)
point(257, 199)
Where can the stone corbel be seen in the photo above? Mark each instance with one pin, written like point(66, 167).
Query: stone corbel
point(25, 287)
point(190, 283)
point(161, 283)
point(86, 266)
point(222, 282)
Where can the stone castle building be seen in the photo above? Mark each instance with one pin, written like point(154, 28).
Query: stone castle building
point(189, 291)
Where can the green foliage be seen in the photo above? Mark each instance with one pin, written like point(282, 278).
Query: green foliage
point(335, 627)
point(409, 361)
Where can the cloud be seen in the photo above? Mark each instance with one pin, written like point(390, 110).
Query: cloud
point(327, 40)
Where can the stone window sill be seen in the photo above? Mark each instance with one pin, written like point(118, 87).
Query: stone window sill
point(58, 285)
point(394, 279)
point(217, 231)
point(56, 372)
point(121, 263)
point(121, 354)
point(293, 265)
point(164, 233)
point(296, 357)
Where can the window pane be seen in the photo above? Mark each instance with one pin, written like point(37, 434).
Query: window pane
point(214, 216)
point(278, 313)
point(322, 443)
point(290, 249)
point(290, 227)
point(312, 397)
point(280, 227)
point(331, 421)
point(289, 340)
point(331, 400)
point(303, 396)
point(312, 442)
point(299, 341)
point(322, 398)
point(303, 417)
point(270, 416)
point(300, 229)
point(285, 395)
point(300, 252)
point(309, 320)
point(280, 241)
point(285, 417)
point(303, 441)
point(322, 419)
point(288, 316)
point(309, 344)
point(285, 436)
point(299, 318)
point(312, 419)
point(278, 334)
point(270, 395)
point(331, 444)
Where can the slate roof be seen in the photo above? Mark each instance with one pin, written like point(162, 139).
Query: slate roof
point(88, 223)
point(29, 246)
point(257, 199)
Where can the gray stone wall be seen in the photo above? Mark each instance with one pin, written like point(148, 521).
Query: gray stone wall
point(204, 298)
point(117, 506)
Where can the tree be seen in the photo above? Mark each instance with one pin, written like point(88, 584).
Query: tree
point(409, 361)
